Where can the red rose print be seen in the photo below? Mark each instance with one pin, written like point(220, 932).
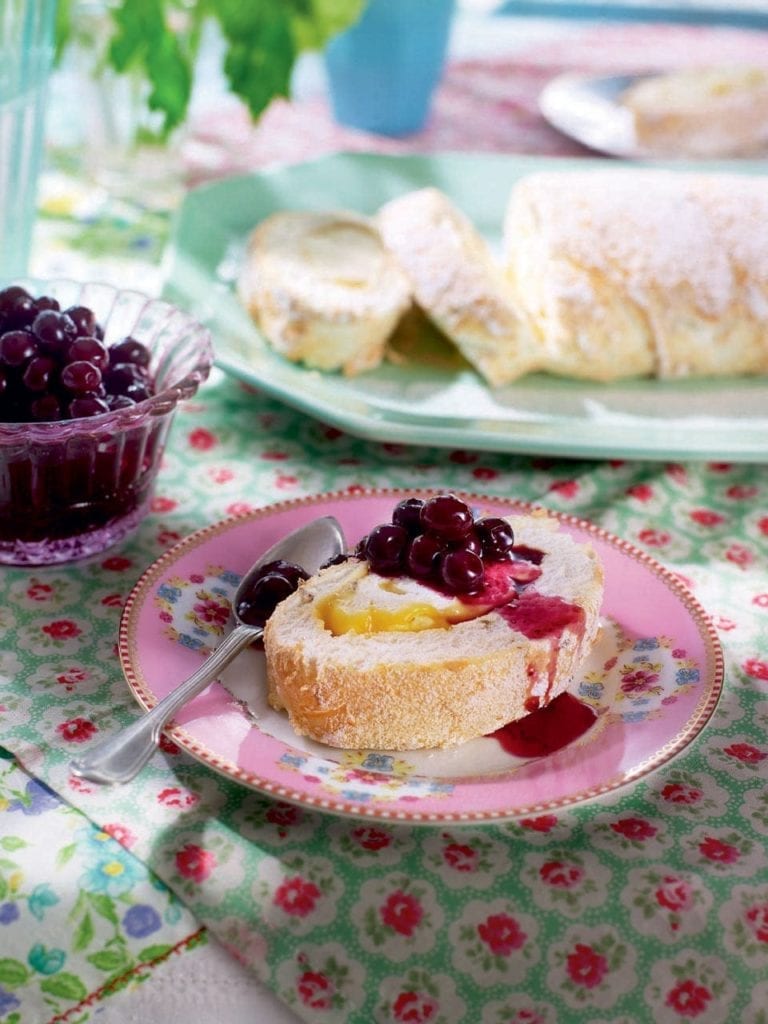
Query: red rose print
point(707, 517)
point(460, 857)
point(296, 896)
point(239, 508)
point(371, 838)
point(331, 433)
point(720, 467)
point(674, 893)
point(585, 966)
point(634, 828)
point(484, 473)
point(221, 475)
point(112, 600)
point(121, 833)
point(71, 676)
point(654, 538)
point(401, 912)
point(543, 823)
point(756, 668)
point(37, 591)
point(285, 481)
point(745, 753)
point(688, 999)
point(355, 489)
point(679, 793)
point(414, 1008)
point(117, 563)
point(160, 504)
point(643, 492)
point(758, 919)
point(739, 555)
point(212, 611)
point(315, 990)
point(502, 934)
point(274, 456)
point(284, 814)
point(462, 458)
point(76, 730)
point(166, 537)
point(168, 746)
point(676, 472)
point(761, 600)
point(175, 797)
point(567, 488)
point(560, 875)
point(741, 492)
point(723, 623)
point(762, 525)
point(392, 448)
point(195, 863)
point(201, 439)
point(718, 851)
point(62, 629)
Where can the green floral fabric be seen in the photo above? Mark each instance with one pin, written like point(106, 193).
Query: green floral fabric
point(648, 905)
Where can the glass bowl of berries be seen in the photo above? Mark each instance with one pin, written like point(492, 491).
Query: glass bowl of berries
point(90, 377)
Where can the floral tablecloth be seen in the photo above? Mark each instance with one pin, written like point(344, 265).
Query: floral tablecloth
point(648, 905)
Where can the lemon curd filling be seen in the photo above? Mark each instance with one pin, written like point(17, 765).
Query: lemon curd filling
point(391, 608)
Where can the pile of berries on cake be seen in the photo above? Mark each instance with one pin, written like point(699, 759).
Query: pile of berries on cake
point(55, 365)
point(439, 541)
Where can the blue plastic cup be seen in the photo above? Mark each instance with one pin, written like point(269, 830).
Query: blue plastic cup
point(26, 50)
point(383, 70)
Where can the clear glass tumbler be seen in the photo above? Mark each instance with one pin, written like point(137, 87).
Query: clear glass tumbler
point(26, 52)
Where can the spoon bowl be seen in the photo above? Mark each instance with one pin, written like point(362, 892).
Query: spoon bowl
point(120, 758)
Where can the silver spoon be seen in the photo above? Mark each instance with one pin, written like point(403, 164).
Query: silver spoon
point(121, 757)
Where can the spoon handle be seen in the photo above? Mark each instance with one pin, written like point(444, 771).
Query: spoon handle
point(121, 757)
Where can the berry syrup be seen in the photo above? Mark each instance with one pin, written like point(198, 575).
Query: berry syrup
point(548, 729)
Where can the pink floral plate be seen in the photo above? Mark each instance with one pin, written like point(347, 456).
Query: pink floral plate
point(653, 680)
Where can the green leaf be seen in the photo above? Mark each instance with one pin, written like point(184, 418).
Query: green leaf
point(13, 973)
point(65, 854)
point(314, 22)
point(12, 843)
point(110, 959)
point(64, 986)
point(62, 30)
point(261, 51)
point(84, 934)
point(150, 953)
point(104, 906)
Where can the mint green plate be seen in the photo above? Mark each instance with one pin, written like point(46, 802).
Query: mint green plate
point(431, 397)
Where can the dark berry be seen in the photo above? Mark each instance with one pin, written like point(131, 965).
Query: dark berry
point(38, 373)
point(461, 571)
point(81, 377)
point(292, 572)
point(447, 516)
point(87, 405)
point(17, 308)
point(407, 514)
point(129, 351)
point(137, 392)
point(17, 348)
point(385, 549)
point(45, 408)
point(54, 331)
point(89, 348)
point(497, 537)
point(47, 302)
point(118, 378)
point(119, 401)
point(84, 320)
point(424, 555)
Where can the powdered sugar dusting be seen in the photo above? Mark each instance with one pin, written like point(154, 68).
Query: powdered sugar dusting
point(653, 233)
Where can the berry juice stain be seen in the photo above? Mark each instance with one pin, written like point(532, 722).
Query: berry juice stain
point(538, 615)
point(547, 730)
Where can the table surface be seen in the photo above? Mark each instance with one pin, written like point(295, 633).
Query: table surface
point(695, 834)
